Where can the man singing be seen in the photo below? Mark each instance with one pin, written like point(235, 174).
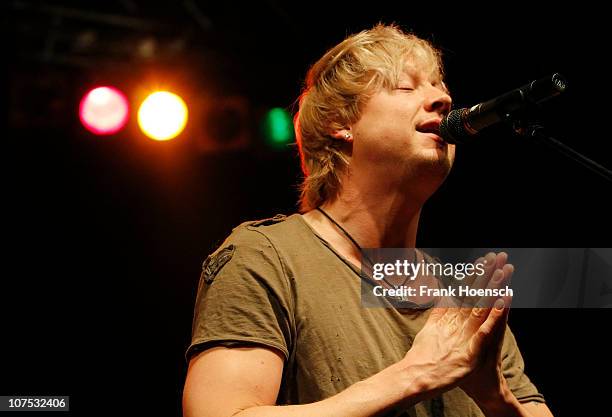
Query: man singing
point(279, 328)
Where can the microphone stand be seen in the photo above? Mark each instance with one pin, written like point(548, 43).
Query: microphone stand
point(534, 130)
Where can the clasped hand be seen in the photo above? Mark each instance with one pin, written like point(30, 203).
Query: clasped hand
point(461, 342)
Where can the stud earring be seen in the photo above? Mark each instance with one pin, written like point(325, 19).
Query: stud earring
point(348, 136)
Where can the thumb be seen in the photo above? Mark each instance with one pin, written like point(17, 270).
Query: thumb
point(493, 327)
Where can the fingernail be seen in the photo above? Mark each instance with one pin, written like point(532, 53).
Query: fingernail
point(498, 275)
point(499, 304)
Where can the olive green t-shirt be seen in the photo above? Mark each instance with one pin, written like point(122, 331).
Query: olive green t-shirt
point(277, 283)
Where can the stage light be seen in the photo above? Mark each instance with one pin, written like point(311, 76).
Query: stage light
point(223, 123)
point(278, 127)
point(162, 115)
point(104, 110)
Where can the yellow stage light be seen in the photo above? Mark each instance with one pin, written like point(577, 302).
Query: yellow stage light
point(162, 115)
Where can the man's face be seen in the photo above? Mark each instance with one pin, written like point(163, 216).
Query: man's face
point(397, 130)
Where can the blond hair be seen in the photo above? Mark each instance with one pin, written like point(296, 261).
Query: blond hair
point(337, 86)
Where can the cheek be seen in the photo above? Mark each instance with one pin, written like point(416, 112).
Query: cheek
point(388, 111)
point(451, 153)
point(392, 125)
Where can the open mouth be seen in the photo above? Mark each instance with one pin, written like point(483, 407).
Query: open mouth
point(432, 129)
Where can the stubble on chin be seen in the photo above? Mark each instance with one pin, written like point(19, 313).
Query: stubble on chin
point(434, 168)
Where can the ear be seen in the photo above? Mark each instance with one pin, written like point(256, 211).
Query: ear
point(345, 135)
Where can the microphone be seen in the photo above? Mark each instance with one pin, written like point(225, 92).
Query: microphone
point(461, 124)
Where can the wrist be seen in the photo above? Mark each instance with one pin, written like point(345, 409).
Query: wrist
point(434, 376)
point(500, 403)
point(400, 385)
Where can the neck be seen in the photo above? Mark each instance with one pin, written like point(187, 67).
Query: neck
point(378, 209)
point(384, 223)
point(376, 213)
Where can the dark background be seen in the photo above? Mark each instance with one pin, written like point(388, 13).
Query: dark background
point(105, 237)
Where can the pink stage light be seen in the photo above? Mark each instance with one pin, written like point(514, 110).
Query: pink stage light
point(104, 110)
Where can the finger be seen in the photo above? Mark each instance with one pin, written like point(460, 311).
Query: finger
point(478, 301)
point(467, 281)
point(495, 283)
point(470, 278)
point(500, 260)
point(476, 318)
point(481, 311)
point(487, 332)
point(480, 281)
point(436, 313)
point(500, 281)
point(499, 332)
point(508, 272)
point(464, 313)
point(490, 261)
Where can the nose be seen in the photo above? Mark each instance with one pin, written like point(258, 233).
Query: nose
point(438, 100)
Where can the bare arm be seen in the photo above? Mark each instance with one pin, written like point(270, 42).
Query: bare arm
point(244, 382)
point(509, 406)
point(537, 409)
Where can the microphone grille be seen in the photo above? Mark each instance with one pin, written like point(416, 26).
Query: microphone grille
point(451, 127)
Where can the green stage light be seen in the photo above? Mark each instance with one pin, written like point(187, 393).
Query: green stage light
point(278, 127)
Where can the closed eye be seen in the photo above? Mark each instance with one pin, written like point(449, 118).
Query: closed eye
point(405, 88)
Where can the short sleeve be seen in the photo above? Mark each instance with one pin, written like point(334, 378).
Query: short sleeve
point(513, 368)
point(243, 297)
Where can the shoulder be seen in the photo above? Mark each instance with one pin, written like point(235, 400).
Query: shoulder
point(251, 242)
point(250, 234)
point(267, 232)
